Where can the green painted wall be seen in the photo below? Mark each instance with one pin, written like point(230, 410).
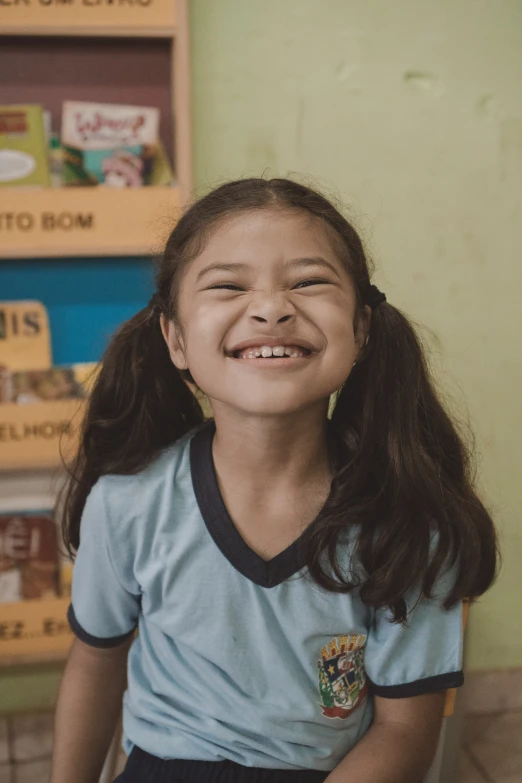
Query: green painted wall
point(411, 113)
point(29, 688)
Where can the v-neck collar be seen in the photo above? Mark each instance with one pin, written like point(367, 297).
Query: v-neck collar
point(266, 573)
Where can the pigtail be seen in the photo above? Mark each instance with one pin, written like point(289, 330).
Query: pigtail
point(139, 405)
point(403, 475)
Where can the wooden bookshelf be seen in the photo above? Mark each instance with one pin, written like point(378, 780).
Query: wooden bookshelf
point(82, 222)
point(100, 221)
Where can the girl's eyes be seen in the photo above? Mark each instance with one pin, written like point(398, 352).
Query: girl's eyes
point(233, 287)
point(308, 283)
point(226, 286)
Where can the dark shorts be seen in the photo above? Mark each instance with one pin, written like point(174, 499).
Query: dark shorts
point(143, 768)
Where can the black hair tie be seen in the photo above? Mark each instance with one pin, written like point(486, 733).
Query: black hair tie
point(374, 297)
point(155, 303)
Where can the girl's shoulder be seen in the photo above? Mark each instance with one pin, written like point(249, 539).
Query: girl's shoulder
point(128, 498)
point(169, 462)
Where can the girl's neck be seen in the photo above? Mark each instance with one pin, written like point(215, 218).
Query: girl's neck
point(274, 451)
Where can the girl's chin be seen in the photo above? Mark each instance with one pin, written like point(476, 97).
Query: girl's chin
point(268, 405)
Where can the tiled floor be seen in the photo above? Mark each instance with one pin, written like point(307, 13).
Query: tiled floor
point(491, 748)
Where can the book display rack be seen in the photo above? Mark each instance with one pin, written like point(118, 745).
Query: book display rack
point(87, 49)
point(126, 52)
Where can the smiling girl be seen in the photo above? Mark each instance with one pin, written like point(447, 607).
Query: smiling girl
point(297, 580)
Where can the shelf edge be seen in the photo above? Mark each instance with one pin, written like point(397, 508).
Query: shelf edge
point(93, 252)
point(90, 32)
point(12, 661)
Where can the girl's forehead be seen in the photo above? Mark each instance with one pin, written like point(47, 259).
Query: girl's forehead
point(264, 235)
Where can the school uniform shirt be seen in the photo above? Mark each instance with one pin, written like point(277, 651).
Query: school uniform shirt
point(238, 658)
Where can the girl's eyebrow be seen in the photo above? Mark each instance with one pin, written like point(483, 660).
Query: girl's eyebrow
point(293, 263)
point(221, 267)
point(312, 261)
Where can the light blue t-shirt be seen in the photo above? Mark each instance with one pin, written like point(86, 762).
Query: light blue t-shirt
point(238, 658)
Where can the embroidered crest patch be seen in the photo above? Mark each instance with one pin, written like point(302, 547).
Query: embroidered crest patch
point(342, 679)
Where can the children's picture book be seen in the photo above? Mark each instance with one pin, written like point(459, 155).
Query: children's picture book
point(23, 147)
point(108, 144)
point(29, 556)
point(55, 383)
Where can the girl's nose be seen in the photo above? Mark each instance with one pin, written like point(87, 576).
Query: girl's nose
point(271, 310)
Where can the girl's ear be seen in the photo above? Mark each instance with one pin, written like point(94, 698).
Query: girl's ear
point(174, 340)
point(363, 330)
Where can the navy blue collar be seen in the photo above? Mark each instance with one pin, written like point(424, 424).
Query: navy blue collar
point(266, 573)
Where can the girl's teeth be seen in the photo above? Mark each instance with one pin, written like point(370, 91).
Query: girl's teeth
point(266, 351)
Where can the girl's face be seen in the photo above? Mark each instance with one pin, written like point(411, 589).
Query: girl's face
point(266, 315)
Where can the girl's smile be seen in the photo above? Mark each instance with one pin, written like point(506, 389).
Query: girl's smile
point(279, 352)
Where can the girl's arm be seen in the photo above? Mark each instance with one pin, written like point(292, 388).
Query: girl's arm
point(88, 707)
point(399, 746)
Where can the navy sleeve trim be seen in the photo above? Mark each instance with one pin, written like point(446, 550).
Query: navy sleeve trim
point(441, 682)
point(94, 641)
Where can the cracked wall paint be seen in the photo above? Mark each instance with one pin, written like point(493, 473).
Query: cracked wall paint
point(420, 81)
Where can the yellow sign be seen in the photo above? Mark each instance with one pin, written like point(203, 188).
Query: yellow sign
point(25, 342)
point(40, 434)
point(34, 628)
point(86, 221)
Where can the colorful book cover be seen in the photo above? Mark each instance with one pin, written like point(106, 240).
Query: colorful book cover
point(56, 383)
point(161, 173)
point(108, 144)
point(23, 147)
point(29, 557)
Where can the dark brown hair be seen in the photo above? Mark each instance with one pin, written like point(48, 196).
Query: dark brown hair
point(403, 477)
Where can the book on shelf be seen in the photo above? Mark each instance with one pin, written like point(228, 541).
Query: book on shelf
point(23, 147)
point(55, 383)
point(30, 562)
point(108, 144)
